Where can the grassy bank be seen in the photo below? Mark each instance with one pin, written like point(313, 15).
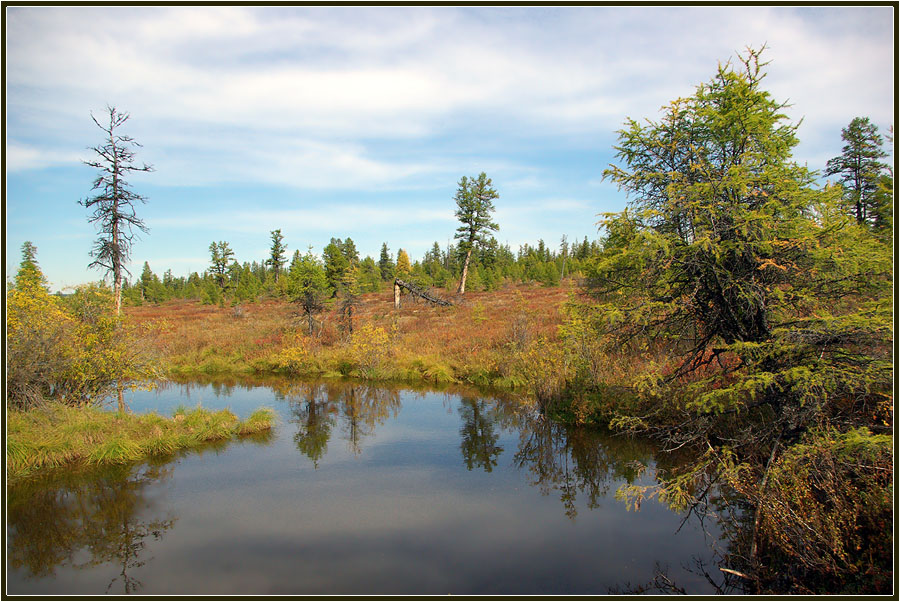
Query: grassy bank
point(55, 435)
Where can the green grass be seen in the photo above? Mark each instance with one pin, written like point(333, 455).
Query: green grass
point(55, 435)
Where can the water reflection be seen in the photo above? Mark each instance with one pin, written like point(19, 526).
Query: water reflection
point(569, 460)
point(108, 518)
point(479, 433)
point(103, 513)
point(316, 408)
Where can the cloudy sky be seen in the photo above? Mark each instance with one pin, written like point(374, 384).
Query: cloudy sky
point(359, 121)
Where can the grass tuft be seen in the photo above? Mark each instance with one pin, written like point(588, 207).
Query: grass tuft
point(57, 435)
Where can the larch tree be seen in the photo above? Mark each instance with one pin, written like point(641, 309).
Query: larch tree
point(307, 286)
point(771, 312)
point(859, 169)
point(403, 267)
point(474, 205)
point(112, 207)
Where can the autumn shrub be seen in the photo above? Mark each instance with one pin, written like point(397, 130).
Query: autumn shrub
point(296, 357)
point(369, 349)
point(75, 351)
point(827, 507)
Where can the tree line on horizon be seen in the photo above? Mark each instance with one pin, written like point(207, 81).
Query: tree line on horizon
point(227, 280)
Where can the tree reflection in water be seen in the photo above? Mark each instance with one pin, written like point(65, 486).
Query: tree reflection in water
point(479, 436)
point(317, 407)
point(101, 513)
point(575, 459)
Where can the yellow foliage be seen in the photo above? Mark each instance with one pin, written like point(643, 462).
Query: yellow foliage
point(74, 351)
point(369, 348)
point(295, 357)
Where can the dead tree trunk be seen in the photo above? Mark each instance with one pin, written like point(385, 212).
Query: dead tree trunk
point(417, 291)
point(465, 273)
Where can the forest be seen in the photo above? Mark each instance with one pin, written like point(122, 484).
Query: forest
point(739, 310)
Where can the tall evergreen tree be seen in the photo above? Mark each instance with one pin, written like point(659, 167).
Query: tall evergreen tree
point(859, 169)
point(307, 285)
point(385, 263)
point(29, 271)
point(730, 259)
point(474, 205)
point(276, 258)
point(113, 205)
point(220, 255)
point(336, 264)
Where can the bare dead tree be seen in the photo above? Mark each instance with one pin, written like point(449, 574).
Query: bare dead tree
point(113, 205)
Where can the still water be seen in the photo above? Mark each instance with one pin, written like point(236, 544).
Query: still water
point(357, 490)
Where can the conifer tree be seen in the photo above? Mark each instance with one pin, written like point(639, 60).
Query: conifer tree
point(403, 267)
point(474, 205)
point(385, 263)
point(276, 258)
point(307, 286)
point(860, 170)
point(29, 271)
point(220, 255)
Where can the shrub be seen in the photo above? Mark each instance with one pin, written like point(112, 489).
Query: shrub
point(827, 509)
point(74, 351)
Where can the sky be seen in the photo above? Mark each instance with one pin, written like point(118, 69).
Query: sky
point(359, 121)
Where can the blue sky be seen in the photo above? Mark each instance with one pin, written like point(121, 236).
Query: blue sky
point(359, 121)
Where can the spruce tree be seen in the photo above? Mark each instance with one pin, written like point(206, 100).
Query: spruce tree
point(276, 258)
point(385, 263)
point(860, 170)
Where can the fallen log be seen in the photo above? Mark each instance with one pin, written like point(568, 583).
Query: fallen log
point(417, 291)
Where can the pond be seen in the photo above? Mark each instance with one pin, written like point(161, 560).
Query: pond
point(359, 489)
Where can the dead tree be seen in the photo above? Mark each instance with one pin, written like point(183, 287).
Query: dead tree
point(113, 205)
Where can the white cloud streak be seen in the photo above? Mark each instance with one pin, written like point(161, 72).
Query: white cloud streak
point(345, 217)
point(319, 97)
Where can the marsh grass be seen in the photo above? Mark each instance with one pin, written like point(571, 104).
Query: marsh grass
point(55, 435)
point(477, 341)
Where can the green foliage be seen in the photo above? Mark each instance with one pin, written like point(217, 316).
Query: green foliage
point(729, 252)
point(369, 276)
point(754, 312)
point(385, 263)
point(474, 205)
point(29, 274)
point(307, 285)
point(220, 255)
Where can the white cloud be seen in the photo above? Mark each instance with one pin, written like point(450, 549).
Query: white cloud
point(299, 96)
point(334, 218)
point(20, 157)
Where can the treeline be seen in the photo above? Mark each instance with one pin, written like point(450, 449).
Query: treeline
point(339, 268)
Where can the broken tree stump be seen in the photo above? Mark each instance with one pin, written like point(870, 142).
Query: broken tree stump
point(417, 291)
